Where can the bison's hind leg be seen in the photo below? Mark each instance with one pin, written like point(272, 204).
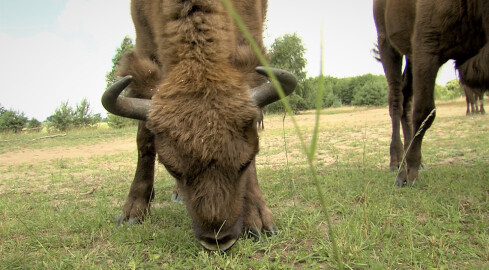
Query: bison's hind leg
point(176, 195)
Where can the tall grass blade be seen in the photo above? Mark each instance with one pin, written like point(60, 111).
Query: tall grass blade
point(402, 166)
point(309, 151)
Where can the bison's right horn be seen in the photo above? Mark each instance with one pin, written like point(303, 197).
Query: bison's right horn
point(135, 108)
point(266, 93)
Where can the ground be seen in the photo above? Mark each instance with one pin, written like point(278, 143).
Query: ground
point(339, 118)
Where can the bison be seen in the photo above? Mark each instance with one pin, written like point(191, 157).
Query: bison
point(195, 86)
point(260, 124)
point(427, 33)
point(475, 99)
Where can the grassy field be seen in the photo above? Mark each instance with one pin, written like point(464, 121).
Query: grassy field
point(60, 198)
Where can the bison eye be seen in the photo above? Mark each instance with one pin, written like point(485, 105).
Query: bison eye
point(245, 166)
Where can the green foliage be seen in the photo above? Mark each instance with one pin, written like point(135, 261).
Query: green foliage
point(11, 120)
point(373, 92)
point(287, 52)
point(126, 45)
point(33, 123)
point(329, 98)
point(83, 116)
point(62, 119)
point(65, 117)
point(450, 91)
point(115, 121)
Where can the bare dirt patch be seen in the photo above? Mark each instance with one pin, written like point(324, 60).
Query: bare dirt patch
point(83, 151)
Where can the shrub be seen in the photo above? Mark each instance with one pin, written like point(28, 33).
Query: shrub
point(11, 120)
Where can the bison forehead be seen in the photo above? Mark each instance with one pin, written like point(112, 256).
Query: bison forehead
point(203, 133)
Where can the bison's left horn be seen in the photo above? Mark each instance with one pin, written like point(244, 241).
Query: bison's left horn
point(266, 93)
point(135, 108)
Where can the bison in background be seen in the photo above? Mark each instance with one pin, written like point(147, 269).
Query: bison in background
point(259, 122)
point(194, 88)
point(428, 33)
point(475, 99)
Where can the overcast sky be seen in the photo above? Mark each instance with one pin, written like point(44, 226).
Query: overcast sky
point(53, 51)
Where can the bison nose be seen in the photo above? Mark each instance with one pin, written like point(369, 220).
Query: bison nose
point(221, 243)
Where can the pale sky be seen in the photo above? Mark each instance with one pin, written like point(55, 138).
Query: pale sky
point(53, 51)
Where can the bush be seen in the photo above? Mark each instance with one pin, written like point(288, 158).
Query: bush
point(372, 93)
point(297, 103)
point(451, 91)
point(115, 121)
point(11, 120)
point(65, 117)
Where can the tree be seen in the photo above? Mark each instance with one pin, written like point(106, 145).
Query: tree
point(62, 119)
point(287, 52)
point(372, 93)
point(126, 45)
point(114, 120)
point(83, 116)
point(454, 88)
point(11, 120)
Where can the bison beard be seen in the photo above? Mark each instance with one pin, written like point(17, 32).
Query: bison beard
point(199, 72)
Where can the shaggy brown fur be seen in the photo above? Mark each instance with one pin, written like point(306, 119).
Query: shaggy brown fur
point(194, 63)
point(430, 32)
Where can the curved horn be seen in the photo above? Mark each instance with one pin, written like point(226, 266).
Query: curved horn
point(266, 93)
point(135, 108)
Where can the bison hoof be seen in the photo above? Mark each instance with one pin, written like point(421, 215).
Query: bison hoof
point(256, 235)
point(253, 234)
point(131, 221)
point(177, 197)
point(423, 167)
point(272, 231)
point(399, 182)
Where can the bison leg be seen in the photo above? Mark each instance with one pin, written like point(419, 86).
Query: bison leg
point(425, 68)
point(407, 92)
point(258, 217)
point(469, 105)
point(141, 193)
point(481, 100)
point(176, 195)
point(392, 63)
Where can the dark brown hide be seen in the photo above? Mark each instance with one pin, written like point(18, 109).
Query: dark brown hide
point(429, 33)
point(197, 68)
point(393, 43)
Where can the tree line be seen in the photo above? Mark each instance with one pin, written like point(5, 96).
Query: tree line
point(287, 52)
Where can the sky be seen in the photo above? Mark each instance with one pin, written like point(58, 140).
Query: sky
point(53, 51)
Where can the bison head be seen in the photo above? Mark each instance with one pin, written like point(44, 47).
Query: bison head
point(206, 137)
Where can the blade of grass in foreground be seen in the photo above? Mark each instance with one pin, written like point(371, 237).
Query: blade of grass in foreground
point(309, 151)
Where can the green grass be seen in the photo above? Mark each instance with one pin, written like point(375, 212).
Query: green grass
point(38, 140)
point(60, 214)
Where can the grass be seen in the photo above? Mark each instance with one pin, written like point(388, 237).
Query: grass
point(38, 140)
point(61, 213)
